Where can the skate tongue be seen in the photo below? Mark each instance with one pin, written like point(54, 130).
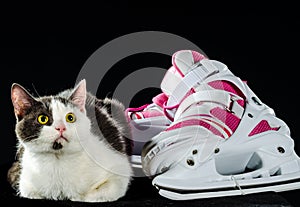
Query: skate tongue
point(182, 61)
point(189, 69)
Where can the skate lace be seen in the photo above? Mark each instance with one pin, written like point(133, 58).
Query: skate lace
point(165, 108)
point(237, 185)
point(132, 111)
point(143, 111)
point(141, 108)
point(138, 112)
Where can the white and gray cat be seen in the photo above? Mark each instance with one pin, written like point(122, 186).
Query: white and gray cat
point(70, 146)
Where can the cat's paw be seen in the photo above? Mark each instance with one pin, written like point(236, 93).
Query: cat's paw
point(108, 191)
point(92, 199)
point(31, 195)
point(103, 196)
point(28, 191)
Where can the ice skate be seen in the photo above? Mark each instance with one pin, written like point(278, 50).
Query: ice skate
point(150, 119)
point(147, 121)
point(222, 140)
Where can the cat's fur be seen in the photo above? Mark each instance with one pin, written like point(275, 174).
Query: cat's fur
point(87, 160)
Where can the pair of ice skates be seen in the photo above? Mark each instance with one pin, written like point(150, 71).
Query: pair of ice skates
point(208, 135)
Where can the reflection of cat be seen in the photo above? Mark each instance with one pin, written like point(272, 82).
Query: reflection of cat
point(70, 146)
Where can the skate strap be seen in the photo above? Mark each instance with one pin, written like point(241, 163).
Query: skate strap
point(197, 74)
point(228, 100)
point(170, 80)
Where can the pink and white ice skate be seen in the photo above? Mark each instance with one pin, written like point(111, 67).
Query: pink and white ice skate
point(222, 140)
point(150, 119)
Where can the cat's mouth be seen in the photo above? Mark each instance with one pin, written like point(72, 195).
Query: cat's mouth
point(58, 142)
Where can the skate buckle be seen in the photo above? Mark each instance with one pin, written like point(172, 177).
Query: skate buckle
point(234, 107)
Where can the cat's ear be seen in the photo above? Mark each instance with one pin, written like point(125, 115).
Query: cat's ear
point(21, 100)
point(78, 96)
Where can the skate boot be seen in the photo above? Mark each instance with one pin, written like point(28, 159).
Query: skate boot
point(222, 141)
point(147, 121)
point(150, 119)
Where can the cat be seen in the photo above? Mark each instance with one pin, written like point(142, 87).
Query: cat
point(70, 146)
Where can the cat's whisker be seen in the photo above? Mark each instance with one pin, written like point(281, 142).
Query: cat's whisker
point(35, 90)
point(39, 96)
point(29, 138)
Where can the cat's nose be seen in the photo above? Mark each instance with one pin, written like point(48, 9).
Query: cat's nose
point(61, 128)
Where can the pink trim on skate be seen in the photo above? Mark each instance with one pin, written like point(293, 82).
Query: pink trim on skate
point(139, 112)
point(160, 99)
point(226, 117)
point(195, 122)
point(141, 108)
point(175, 65)
point(205, 117)
point(262, 126)
point(225, 130)
point(151, 113)
point(134, 110)
point(197, 56)
point(138, 115)
point(230, 87)
point(165, 108)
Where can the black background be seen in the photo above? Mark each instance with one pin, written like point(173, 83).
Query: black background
point(45, 57)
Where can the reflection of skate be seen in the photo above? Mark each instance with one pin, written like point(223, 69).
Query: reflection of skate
point(222, 140)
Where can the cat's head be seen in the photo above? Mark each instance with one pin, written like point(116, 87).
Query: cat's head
point(50, 123)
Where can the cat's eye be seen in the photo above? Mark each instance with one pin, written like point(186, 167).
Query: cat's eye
point(43, 119)
point(70, 117)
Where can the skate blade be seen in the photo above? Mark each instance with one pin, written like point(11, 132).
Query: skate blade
point(231, 188)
